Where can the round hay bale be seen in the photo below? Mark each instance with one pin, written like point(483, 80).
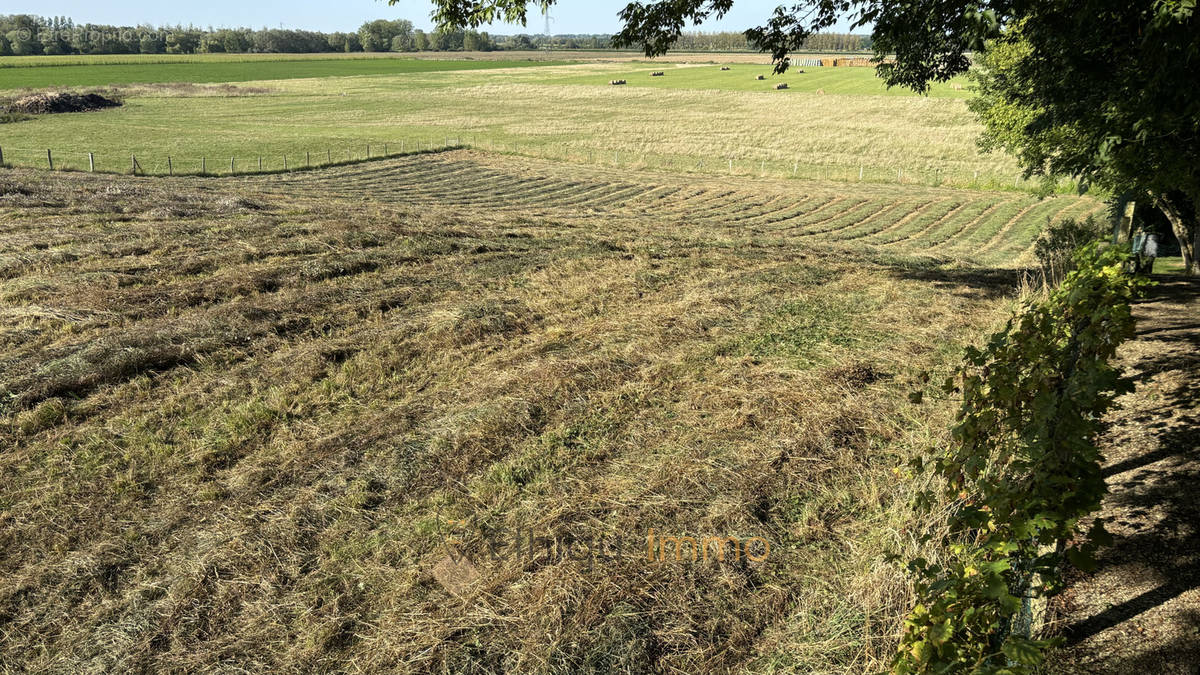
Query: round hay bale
point(781, 85)
point(760, 77)
point(724, 67)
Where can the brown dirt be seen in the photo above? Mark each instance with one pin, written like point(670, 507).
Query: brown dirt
point(1140, 611)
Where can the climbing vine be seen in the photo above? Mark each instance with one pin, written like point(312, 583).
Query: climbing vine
point(1021, 471)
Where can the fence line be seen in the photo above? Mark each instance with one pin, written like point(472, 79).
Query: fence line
point(731, 165)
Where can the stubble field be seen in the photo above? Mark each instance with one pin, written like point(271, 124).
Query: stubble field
point(425, 414)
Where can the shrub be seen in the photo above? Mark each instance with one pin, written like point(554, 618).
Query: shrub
point(1056, 246)
point(1022, 472)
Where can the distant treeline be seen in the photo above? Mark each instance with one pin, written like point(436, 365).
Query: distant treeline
point(24, 34)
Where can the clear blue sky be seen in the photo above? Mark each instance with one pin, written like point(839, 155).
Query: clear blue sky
point(570, 16)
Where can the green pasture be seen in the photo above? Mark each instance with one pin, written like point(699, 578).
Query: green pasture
point(28, 75)
point(839, 123)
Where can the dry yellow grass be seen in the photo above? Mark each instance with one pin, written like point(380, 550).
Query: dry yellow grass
point(239, 417)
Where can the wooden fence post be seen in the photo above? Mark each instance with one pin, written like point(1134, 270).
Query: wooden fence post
point(260, 163)
point(285, 162)
point(170, 168)
point(203, 166)
point(50, 159)
point(307, 159)
point(385, 149)
point(1, 156)
point(368, 151)
point(231, 170)
point(91, 163)
point(328, 156)
point(860, 169)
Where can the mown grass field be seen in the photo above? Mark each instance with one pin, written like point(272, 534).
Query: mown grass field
point(696, 119)
point(243, 418)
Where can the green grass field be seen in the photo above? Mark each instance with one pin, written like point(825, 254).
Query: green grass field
point(839, 123)
point(82, 73)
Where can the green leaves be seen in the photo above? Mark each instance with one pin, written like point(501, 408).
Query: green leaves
point(1022, 472)
point(1022, 651)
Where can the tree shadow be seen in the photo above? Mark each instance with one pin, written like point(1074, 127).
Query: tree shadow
point(976, 282)
point(1152, 504)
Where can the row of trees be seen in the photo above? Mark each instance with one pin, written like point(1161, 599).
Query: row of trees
point(24, 34)
point(730, 41)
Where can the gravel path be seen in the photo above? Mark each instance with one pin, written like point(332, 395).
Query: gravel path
point(1140, 611)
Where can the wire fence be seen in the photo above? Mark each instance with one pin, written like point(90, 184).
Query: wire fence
point(244, 164)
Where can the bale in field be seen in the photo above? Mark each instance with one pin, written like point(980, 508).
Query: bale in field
point(724, 67)
point(781, 85)
point(760, 77)
point(658, 73)
point(616, 81)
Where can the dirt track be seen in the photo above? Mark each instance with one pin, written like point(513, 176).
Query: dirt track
point(1140, 611)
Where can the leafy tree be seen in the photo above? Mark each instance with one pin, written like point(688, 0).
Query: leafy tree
point(211, 43)
point(521, 43)
point(182, 42)
point(470, 41)
point(20, 43)
point(379, 36)
point(5, 46)
point(151, 43)
point(1114, 102)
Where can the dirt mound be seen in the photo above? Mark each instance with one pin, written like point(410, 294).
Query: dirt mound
point(62, 102)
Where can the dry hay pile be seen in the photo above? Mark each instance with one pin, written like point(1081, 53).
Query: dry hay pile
point(760, 77)
point(616, 82)
point(781, 85)
point(724, 67)
point(61, 102)
point(657, 73)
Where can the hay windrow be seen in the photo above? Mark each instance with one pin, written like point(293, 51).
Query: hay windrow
point(244, 421)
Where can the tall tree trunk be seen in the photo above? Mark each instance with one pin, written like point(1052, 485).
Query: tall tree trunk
point(1183, 224)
